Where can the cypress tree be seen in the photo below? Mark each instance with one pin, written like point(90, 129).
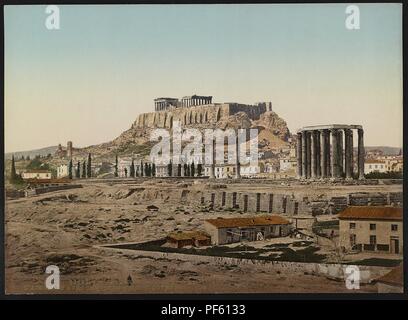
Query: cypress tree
point(179, 170)
point(199, 169)
point(170, 169)
point(153, 169)
point(185, 170)
point(84, 169)
point(89, 167)
point(13, 174)
point(146, 170)
point(125, 172)
point(141, 169)
point(70, 169)
point(192, 169)
point(78, 170)
point(132, 169)
point(116, 166)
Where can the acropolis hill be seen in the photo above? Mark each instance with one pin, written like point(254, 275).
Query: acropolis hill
point(202, 113)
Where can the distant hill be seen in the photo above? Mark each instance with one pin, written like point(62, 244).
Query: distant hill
point(32, 153)
point(386, 150)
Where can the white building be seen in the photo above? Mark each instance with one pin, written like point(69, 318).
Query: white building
point(287, 164)
point(375, 166)
point(250, 171)
point(63, 171)
point(36, 174)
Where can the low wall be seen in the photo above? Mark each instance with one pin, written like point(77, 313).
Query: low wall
point(35, 191)
point(332, 271)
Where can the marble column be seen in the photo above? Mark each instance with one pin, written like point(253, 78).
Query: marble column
point(308, 154)
point(299, 155)
point(348, 164)
point(313, 154)
point(318, 158)
point(304, 154)
point(323, 154)
point(335, 154)
point(328, 157)
point(361, 154)
point(341, 154)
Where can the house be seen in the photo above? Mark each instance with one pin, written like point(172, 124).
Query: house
point(36, 174)
point(63, 171)
point(373, 229)
point(287, 164)
point(392, 282)
point(375, 166)
point(188, 238)
point(231, 230)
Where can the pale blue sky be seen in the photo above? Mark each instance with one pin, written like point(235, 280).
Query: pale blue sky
point(107, 63)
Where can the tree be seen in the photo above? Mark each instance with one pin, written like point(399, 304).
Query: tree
point(185, 170)
point(84, 169)
point(199, 170)
point(13, 174)
point(179, 170)
point(125, 172)
point(153, 169)
point(132, 169)
point(22, 157)
point(28, 158)
point(141, 169)
point(116, 166)
point(188, 171)
point(170, 169)
point(78, 170)
point(192, 169)
point(146, 170)
point(137, 171)
point(89, 167)
point(70, 169)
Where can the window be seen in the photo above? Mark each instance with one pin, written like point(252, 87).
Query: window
point(372, 226)
point(373, 240)
point(352, 240)
point(352, 225)
point(394, 227)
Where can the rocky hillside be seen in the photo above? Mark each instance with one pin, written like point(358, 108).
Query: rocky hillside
point(273, 132)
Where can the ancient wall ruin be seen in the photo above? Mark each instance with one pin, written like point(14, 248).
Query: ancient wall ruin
point(205, 115)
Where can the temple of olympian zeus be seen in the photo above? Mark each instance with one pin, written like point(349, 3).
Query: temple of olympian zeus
point(317, 158)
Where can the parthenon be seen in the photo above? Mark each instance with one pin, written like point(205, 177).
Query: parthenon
point(161, 104)
point(318, 159)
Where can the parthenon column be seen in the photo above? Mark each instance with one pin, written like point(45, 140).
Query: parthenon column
point(313, 154)
point(323, 153)
point(335, 154)
point(304, 153)
point(348, 152)
point(361, 153)
point(299, 155)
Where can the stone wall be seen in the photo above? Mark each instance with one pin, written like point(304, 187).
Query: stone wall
point(205, 115)
point(291, 204)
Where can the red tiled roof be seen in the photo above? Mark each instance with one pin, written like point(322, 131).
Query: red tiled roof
point(376, 213)
point(394, 277)
point(37, 171)
point(247, 222)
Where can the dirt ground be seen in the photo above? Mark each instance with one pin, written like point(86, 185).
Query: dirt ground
point(62, 228)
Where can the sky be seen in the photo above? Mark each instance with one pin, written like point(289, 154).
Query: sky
point(88, 81)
